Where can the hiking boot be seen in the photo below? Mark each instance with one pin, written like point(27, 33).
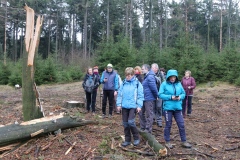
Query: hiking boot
point(189, 115)
point(109, 116)
point(124, 144)
point(169, 145)
point(118, 112)
point(93, 113)
point(142, 129)
point(103, 116)
point(136, 142)
point(186, 145)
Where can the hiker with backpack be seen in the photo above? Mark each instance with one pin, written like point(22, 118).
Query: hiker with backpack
point(172, 94)
point(157, 109)
point(90, 85)
point(109, 80)
point(129, 101)
point(150, 95)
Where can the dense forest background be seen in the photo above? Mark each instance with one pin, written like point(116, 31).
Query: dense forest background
point(202, 36)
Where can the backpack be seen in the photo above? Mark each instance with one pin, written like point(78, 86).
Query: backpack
point(89, 84)
point(158, 82)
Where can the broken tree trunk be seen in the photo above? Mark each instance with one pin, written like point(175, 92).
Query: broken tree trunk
point(30, 109)
point(157, 147)
point(18, 132)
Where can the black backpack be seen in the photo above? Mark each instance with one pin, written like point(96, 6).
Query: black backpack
point(158, 82)
point(89, 84)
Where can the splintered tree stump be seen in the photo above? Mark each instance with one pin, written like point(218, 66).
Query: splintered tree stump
point(73, 104)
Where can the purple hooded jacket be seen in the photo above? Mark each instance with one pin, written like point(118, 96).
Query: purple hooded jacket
point(186, 82)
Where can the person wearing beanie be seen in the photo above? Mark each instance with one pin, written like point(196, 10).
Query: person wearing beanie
point(110, 80)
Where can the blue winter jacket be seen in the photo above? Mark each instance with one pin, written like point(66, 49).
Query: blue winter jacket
point(168, 89)
point(112, 83)
point(130, 94)
point(150, 87)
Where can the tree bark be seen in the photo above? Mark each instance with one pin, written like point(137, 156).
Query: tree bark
point(150, 20)
point(160, 24)
point(131, 23)
point(108, 20)
point(19, 132)
point(127, 18)
point(85, 30)
point(220, 35)
point(144, 22)
point(157, 147)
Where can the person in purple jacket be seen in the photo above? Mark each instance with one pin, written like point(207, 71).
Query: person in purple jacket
point(188, 83)
point(150, 96)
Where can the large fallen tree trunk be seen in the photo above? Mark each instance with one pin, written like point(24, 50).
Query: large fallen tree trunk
point(19, 132)
point(157, 147)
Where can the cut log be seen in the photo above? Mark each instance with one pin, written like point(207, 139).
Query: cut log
point(156, 146)
point(18, 132)
point(72, 104)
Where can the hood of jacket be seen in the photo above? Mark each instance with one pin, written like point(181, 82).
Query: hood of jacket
point(172, 72)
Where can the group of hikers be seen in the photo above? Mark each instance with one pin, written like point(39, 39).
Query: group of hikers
point(147, 92)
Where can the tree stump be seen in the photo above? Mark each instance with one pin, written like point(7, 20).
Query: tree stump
point(73, 104)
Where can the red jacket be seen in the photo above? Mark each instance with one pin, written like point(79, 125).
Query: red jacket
point(186, 82)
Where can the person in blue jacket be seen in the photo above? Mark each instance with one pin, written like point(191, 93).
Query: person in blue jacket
point(150, 92)
point(172, 94)
point(130, 101)
point(110, 80)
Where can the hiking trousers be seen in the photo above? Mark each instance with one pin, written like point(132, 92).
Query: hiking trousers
point(180, 123)
point(91, 100)
point(128, 118)
point(108, 95)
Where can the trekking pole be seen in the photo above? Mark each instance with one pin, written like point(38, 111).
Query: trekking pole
point(91, 102)
point(100, 99)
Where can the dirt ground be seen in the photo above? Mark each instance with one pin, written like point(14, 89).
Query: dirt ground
point(213, 129)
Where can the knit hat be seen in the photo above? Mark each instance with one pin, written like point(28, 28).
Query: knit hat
point(110, 65)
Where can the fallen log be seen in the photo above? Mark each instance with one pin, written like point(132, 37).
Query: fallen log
point(14, 133)
point(157, 147)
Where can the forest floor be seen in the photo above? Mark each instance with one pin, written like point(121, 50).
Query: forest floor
point(213, 128)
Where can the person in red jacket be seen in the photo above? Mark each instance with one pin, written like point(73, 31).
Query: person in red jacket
point(188, 83)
